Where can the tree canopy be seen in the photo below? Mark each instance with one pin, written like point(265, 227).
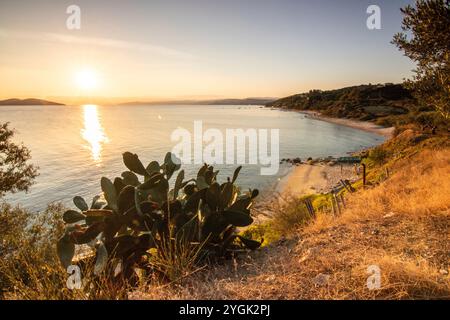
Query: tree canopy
point(16, 174)
point(425, 38)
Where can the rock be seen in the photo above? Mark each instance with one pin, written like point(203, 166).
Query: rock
point(390, 214)
point(311, 252)
point(303, 258)
point(321, 279)
point(270, 278)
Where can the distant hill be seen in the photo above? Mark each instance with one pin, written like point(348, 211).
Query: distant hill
point(28, 102)
point(364, 102)
point(246, 101)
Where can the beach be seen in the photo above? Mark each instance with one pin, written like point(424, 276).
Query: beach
point(305, 179)
point(356, 124)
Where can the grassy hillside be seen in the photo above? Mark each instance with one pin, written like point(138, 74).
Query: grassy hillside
point(399, 223)
point(388, 105)
point(364, 102)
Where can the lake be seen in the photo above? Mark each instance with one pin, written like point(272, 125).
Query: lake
point(74, 146)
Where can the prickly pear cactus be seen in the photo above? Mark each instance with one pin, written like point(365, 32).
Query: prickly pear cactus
point(140, 211)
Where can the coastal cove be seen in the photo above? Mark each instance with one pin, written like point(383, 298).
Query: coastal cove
point(74, 146)
point(306, 178)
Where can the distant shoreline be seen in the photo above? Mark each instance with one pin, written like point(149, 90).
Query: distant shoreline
point(29, 102)
point(243, 102)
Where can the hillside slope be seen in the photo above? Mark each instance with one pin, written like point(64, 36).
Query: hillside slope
point(399, 224)
point(364, 102)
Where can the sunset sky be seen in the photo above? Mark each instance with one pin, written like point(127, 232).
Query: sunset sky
point(135, 50)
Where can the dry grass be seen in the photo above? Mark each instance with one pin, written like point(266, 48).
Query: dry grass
point(34, 279)
point(417, 188)
point(289, 214)
point(177, 259)
point(29, 267)
point(401, 225)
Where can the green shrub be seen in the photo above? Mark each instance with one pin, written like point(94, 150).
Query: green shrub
point(321, 202)
point(29, 267)
point(264, 231)
point(290, 215)
point(378, 155)
point(431, 121)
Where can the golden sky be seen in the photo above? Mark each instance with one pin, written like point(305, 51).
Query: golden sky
point(169, 50)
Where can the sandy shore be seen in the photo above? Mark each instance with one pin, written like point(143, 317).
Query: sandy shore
point(305, 179)
point(318, 178)
point(361, 125)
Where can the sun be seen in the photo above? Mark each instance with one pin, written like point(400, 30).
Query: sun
point(86, 79)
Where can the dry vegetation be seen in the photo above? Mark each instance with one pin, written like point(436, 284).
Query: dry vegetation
point(401, 224)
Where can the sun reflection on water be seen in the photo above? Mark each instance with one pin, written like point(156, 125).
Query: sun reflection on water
point(93, 131)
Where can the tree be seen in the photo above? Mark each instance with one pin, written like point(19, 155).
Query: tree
point(15, 172)
point(426, 40)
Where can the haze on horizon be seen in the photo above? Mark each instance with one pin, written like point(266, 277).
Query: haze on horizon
point(195, 49)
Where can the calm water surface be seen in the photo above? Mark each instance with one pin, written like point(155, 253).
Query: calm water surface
point(74, 146)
